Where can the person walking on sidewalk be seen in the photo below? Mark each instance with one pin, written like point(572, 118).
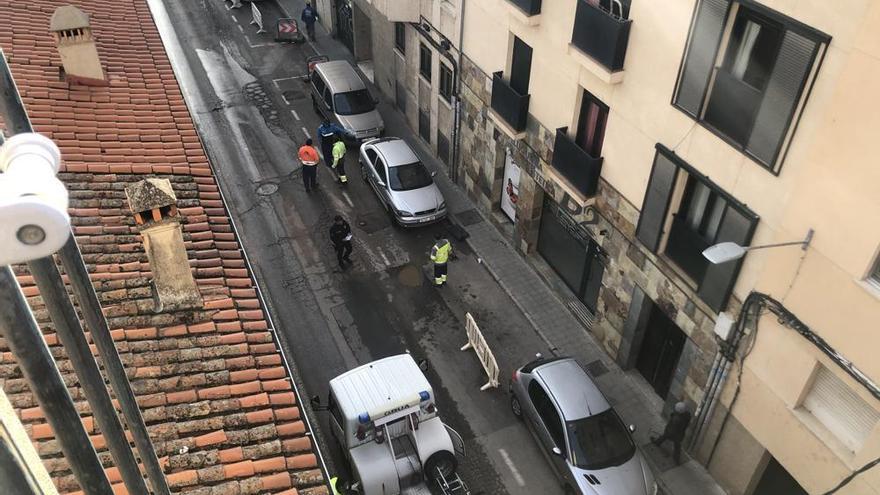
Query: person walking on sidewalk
point(327, 133)
point(675, 429)
point(309, 16)
point(440, 253)
point(340, 235)
point(308, 155)
point(339, 159)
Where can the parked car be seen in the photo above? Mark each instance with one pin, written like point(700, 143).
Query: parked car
point(340, 95)
point(583, 438)
point(402, 182)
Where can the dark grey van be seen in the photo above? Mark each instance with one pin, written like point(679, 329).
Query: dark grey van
point(339, 94)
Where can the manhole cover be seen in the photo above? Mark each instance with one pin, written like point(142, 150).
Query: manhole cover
point(410, 276)
point(469, 217)
point(294, 94)
point(267, 189)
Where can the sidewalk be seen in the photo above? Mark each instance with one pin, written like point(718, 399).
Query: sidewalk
point(549, 316)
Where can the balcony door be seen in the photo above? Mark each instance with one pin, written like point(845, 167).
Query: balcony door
point(520, 66)
point(591, 125)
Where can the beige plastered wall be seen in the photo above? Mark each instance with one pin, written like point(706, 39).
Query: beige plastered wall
point(828, 182)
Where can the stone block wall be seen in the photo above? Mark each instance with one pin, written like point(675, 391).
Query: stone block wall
point(628, 264)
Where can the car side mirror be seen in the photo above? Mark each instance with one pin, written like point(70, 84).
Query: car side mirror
point(557, 451)
point(632, 428)
point(375, 101)
point(434, 173)
point(423, 364)
point(315, 402)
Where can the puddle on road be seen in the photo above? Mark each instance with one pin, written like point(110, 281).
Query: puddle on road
point(410, 276)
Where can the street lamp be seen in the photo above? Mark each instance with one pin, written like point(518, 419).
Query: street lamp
point(729, 251)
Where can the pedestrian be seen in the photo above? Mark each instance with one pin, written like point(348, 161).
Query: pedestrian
point(309, 16)
point(327, 133)
point(340, 235)
point(675, 429)
point(339, 159)
point(440, 253)
point(308, 155)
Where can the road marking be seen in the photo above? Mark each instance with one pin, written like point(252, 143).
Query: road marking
point(239, 27)
point(384, 258)
point(234, 19)
point(285, 100)
point(260, 45)
point(306, 132)
point(348, 199)
point(275, 81)
point(295, 115)
point(516, 475)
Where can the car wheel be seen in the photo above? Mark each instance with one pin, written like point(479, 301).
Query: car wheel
point(440, 462)
point(515, 406)
point(364, 172)
point(569, 490)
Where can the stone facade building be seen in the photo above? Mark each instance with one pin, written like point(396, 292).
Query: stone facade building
point(615, 141)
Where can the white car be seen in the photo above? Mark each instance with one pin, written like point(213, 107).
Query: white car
point(404, 185)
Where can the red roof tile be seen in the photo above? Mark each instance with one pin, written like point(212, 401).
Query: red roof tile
point(211, 384)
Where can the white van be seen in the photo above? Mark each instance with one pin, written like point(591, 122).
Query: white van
point(339, 94)
point(384, 417)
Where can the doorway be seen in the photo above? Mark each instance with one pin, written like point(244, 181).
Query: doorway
point(660, 350)
point(345, 23)
point(777, 481)
point(572, 254)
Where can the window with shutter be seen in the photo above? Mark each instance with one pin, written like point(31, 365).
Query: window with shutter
point(748, 88)
point(840, 409)
point(706, 216)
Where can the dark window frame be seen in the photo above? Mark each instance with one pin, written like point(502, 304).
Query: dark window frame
point(817, 58)
point(604, 112)
point(874, 274)
point(445, 82)
point(712, 274)
point(400, 37)
point(425, 55)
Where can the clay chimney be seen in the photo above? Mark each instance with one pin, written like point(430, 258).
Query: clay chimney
point(155, 212)
point(79, 54)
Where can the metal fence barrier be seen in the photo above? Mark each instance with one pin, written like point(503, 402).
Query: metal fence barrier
point(257, 18)
point(477, 342)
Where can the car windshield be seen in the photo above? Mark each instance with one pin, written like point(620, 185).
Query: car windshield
point(409, 177)
point(600, 441)
point(353, 102)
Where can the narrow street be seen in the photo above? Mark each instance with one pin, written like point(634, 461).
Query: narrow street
point(251, 106)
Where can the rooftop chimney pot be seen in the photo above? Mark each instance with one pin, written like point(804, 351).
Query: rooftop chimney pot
point(76, 46)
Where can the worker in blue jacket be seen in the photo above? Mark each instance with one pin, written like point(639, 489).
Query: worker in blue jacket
point(327, 133)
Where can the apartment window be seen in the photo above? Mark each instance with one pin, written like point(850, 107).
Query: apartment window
point(874, 276)
point(591, 125)
point(425, 61)
point(400, 37)
point(445, 82)
point(520, 66)
point(839, 409)
point(745, 71)
point(706, 215)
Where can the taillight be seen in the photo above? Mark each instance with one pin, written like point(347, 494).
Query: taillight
point(515, 376)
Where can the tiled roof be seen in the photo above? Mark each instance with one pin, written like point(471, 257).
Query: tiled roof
point(211, 384)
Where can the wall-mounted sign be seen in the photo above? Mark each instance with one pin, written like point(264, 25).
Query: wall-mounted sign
point(510, 187)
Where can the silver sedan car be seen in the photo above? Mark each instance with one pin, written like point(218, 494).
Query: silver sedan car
point(586, 443)
point(403, 184)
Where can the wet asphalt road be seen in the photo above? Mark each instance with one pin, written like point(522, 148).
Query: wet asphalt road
point(252, 111)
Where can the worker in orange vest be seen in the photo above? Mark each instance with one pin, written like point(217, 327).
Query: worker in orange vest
point(308, 155)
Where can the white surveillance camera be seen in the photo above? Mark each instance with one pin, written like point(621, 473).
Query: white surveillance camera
point(33, 203)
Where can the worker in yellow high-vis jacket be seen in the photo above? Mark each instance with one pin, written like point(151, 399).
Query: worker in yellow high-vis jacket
point(339, 159)
point(440, 253)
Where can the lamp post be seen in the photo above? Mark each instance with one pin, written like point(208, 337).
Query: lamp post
point(729, 251)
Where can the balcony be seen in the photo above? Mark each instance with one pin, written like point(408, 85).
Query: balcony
point(600, 35)
point(528, 7)
point(576, 165)
point(512, 107)
point(685, 247)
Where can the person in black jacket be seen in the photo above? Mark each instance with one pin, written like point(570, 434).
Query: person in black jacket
point(675, 429)
point(340, 235)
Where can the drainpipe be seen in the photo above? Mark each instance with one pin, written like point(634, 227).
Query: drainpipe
point(456, 123)
point(717, 375)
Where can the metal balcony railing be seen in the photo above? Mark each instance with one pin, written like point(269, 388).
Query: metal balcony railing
point(508, 104)
point(579, 167)
point(600, 35)
point(529, 7)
